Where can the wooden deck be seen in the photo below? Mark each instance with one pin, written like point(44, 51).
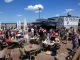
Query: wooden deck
point(15, 53)
point(43, 56)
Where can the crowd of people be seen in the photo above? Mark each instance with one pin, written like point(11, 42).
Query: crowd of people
point(58, 35)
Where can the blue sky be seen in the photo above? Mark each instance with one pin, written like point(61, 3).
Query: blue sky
point(12, 11)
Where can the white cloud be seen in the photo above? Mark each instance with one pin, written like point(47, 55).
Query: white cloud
point(78, 3)
point(19, 15)
point(68, 10)
point(57, 15)
point(37, 11)
point(8, 1)
point(34, 8)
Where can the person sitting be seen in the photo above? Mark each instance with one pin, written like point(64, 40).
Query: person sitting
point(21, 41)
point(32, 37)
point(53, 36)
point(9, 42)
point(57, 40)
point(44, 41)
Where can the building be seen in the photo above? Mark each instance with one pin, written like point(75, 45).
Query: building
point(66, 21)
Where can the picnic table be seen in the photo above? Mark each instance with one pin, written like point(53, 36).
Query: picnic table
point(47, 45)
point(14, 43)
point(30, 52)
point(34, 46)
point(15, 40)
point(47, 42)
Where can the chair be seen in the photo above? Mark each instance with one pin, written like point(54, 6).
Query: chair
point(32, 55)
point(4, 44)
point(38, 51)
point(27, 54)
point(22, 54)
point(0, 45)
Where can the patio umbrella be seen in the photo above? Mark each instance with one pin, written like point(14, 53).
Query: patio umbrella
point(25, 24)
point(19, 24)
point(0, 25)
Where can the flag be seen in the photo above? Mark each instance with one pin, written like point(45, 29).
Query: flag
point(0, 25)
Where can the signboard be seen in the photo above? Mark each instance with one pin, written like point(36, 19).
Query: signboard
point(71, 21)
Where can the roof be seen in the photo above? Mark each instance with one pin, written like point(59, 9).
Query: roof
point(70, 16)
point(63, 16)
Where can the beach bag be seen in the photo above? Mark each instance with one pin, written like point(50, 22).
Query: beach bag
point(53, 53)
point(78, 37)
point(47, 53)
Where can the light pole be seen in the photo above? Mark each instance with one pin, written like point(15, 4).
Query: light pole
point(39, 9)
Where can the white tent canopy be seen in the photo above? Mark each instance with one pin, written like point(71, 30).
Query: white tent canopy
point(0, 25)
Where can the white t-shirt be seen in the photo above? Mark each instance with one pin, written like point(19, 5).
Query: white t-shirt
point(32, 30)
point(26, 36)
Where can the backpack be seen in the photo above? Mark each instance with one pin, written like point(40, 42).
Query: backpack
point(79, 37)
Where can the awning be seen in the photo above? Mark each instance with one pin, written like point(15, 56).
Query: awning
point(49, 24)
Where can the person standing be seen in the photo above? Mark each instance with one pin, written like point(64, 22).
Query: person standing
point(79, 39)
point(62, 34)
point(74, 42)
point(41, 33)
point(32, 31)
point(66, 35)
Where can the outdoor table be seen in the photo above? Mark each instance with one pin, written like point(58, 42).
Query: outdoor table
point(48, 42)
point(32, 51)
point(33, 38)
point(15, 41)
point(47, 45)
point(34, 47)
